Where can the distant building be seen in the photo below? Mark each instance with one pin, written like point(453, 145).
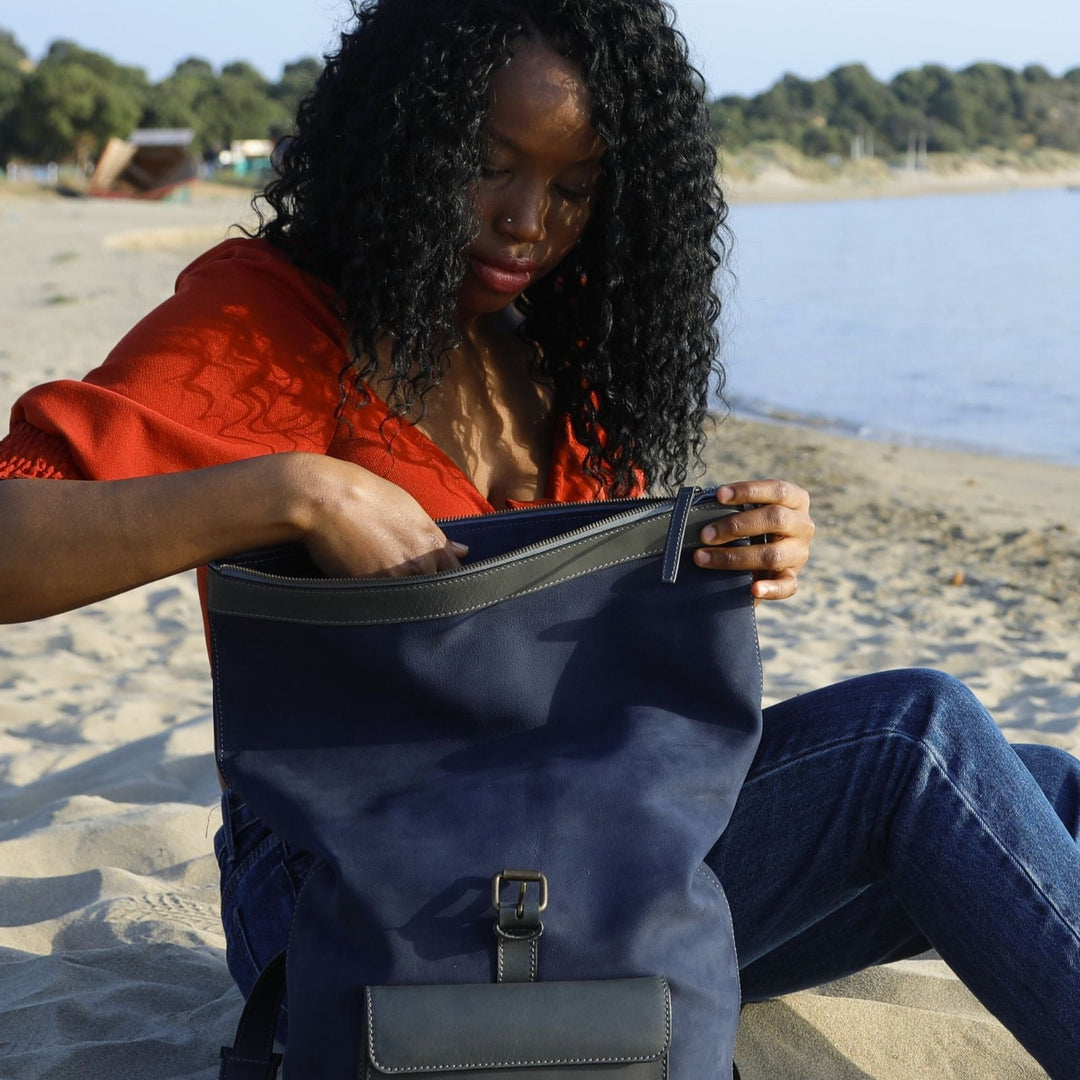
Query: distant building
point(246, 156)
point(149, 164)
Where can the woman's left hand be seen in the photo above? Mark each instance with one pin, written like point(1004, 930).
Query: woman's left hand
point(779, 527)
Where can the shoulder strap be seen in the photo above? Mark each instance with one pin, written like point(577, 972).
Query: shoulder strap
point(252, 1057)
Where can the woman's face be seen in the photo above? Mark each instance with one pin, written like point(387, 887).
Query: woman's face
point(540, 180)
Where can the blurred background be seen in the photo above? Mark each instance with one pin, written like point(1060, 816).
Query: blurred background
point(948, 319)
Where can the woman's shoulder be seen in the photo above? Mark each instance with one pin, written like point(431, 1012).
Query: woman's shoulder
point(243, 359)
point(244, 252)
point(251, 265)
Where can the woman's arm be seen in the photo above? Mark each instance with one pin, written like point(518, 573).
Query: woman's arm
point(781, 516)
point(71, 542)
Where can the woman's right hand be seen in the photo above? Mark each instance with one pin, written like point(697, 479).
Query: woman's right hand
point(356, 524)
point(65, 543)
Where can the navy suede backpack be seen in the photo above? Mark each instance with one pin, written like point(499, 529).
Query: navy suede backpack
point(511, 774)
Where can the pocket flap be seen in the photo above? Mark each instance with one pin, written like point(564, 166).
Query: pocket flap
point(517, 1025)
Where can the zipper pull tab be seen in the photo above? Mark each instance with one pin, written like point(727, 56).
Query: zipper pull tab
point(676, 534)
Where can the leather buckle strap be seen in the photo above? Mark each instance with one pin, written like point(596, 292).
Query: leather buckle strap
point(526, 878)
point(676, 534)
point(518, 926)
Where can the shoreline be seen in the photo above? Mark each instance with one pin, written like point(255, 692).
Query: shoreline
point(774, 173)
point(925, 558)
point(860, 433)
point(786, 188)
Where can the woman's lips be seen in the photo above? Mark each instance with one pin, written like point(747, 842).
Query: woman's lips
point(508, 277)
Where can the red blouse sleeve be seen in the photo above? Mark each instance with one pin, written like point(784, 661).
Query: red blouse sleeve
point(35, 455)
point(243, 360)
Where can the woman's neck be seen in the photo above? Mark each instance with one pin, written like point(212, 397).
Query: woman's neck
point(491, 416)
point(488, 414)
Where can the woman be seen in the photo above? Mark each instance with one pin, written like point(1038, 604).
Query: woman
point(489, 279)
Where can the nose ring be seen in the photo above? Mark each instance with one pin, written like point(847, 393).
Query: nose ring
point(509, 221)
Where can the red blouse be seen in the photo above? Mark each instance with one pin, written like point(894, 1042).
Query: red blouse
point(243, 360)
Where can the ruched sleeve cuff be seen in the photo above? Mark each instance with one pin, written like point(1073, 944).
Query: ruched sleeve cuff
point(32, 454)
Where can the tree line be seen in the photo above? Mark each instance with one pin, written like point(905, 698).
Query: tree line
point(65, 107)
point(929, 107)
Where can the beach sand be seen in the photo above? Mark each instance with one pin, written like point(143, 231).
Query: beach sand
point(111, 952)
point(773, 172)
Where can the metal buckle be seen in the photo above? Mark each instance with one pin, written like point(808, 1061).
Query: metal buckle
point(525, 878)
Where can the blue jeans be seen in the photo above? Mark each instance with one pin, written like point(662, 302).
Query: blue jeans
point(881, 816)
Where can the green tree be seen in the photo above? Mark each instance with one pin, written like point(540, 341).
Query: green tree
point(727, 119)
point(992, 91)
point(935, 99)
point(918, 87)
point(238, 105)
point(858, 92)
point(824, 141)
point(297, 81)
point(73, 101)
point(14, 66)
point(984, 104)
point(776, 114)
point(173, 102)
point(1050, 112)
point(790, 108)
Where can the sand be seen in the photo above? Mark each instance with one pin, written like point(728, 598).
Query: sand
point(773, 172)
point(111, 952)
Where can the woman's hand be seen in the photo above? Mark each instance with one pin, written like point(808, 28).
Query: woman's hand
point(356, 524)
point(98, 538)
point(780, 530)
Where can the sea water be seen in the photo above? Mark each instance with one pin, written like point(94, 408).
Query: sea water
point(948, 320)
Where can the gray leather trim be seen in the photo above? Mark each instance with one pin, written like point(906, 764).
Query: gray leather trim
point(635, 1070)
point(634, 534)
point(676, 534)
point(489, 1026)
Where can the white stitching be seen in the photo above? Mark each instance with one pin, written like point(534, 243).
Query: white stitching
point(659, 1055)
point(709, 875)
point(677, 529)
point(439, 615)
point(455, 611)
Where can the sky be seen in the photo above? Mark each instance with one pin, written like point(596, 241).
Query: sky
point(741, 46)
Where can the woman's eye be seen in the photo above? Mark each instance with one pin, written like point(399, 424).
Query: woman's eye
point(489, 172)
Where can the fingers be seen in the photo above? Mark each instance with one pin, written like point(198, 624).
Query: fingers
point(357, 524)
point(780, 554)
point(781, 492)
point(779, 529)
point(772, 521)
point(440, 557)
point(781, 587)
point(450, 556)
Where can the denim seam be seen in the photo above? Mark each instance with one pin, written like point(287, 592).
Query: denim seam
point(937, 763)
point(1050, 902)
point(229, 887)
point(822, 748)
point(240, 931)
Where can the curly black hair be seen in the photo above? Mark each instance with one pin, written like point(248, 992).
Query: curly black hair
point(373, 197)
